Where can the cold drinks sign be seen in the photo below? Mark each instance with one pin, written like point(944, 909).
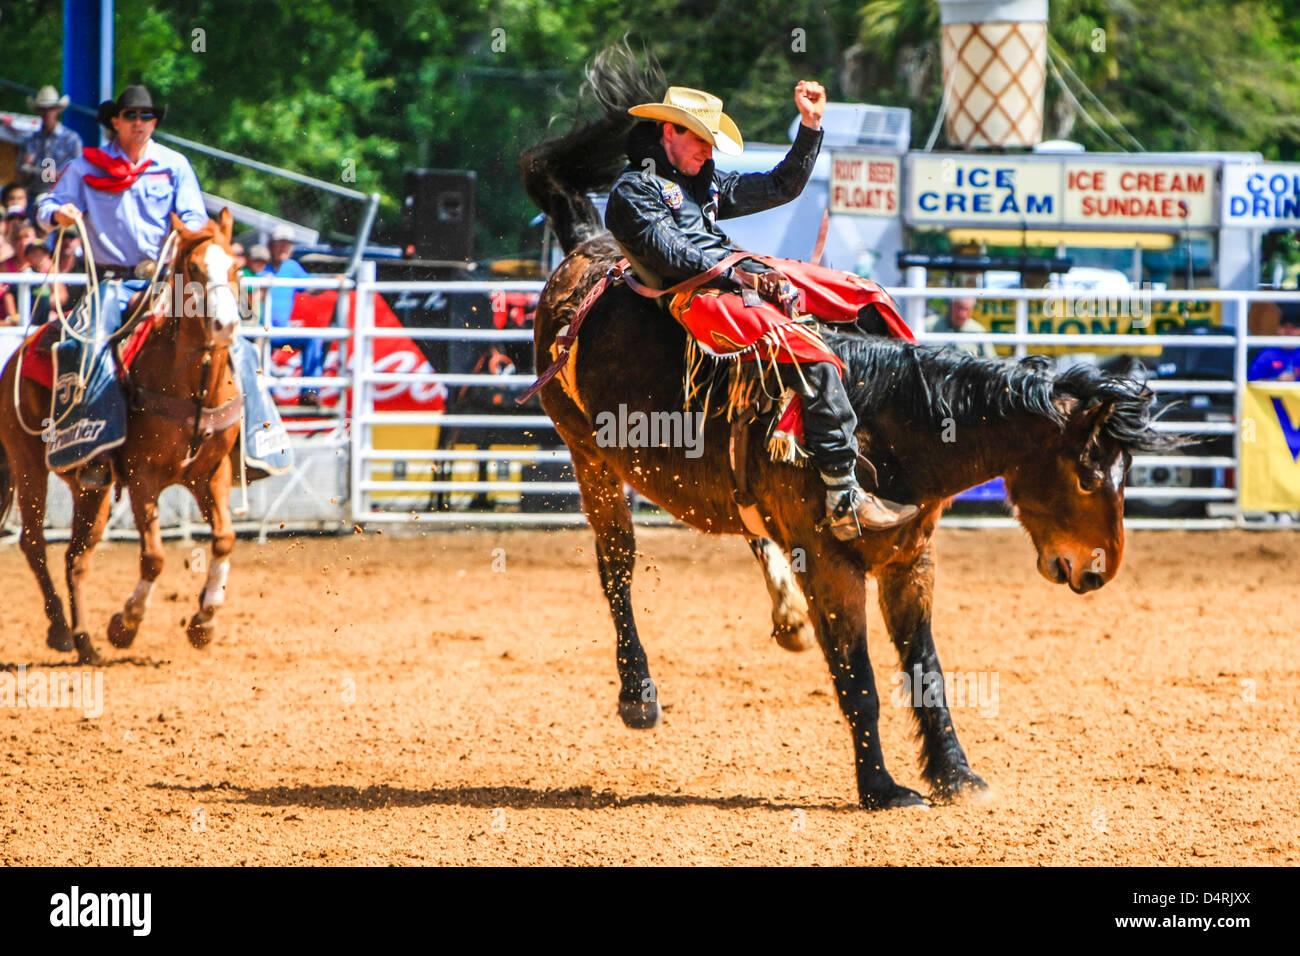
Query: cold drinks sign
point(1261, 195)
point(1059, 192)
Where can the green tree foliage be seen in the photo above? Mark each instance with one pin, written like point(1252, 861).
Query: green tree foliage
point(339, 88)
point(1177, 74)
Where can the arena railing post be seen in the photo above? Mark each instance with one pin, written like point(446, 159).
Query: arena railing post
point(360, 396)
point(1239, 371)
point(1022, 326)
point(24, 305)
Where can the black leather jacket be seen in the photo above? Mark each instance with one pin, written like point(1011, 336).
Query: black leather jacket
point(666, 222)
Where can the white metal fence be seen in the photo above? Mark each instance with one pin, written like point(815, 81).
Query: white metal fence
point(343, 475)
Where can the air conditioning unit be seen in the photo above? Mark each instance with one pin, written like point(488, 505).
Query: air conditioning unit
point(859, 124)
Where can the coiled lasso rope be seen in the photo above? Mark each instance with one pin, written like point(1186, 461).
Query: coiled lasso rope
point(91, 305)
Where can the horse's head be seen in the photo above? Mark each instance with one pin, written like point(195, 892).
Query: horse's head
point(211, 284)
point(1069, 492)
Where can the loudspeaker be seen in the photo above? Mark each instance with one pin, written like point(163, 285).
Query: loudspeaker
point(438, 213)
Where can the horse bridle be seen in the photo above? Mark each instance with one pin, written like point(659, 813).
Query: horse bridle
point(203, 421)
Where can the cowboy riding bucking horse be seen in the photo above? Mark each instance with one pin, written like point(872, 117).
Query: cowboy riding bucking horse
point(663, 211)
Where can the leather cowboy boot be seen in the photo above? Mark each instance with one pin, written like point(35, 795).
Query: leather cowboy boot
point(850, 509)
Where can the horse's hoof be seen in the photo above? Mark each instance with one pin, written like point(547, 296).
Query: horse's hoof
point(639, 714)
point(894, 798)
point(794, 637)
point(201, 632)
point(59, 637)
point(86, 653)
point(121, 634)
point(958, 787)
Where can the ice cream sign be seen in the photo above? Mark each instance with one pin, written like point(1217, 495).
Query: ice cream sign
point(1076, 193)
point(1124, 194)
point(986, 189)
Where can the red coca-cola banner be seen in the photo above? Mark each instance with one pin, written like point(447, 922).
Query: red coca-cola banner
point(316, 311)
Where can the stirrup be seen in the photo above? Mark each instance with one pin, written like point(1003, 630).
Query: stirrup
point(856, 510)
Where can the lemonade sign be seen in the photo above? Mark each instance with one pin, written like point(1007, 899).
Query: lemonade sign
point(1092, 313)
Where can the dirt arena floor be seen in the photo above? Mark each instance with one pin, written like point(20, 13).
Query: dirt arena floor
point(384, 699)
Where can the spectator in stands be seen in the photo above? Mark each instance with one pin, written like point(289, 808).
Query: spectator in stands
point(47, 151)
point(41, 262)
point(13, 204)
point(40, 258)
point(258, 258)
point(280, 304)
point(960, 318)
point(255, 265)
point(19, 234)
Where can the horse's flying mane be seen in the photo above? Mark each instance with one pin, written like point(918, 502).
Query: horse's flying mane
point(933, 384)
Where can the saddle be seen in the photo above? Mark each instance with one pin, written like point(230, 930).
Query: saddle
point(38, 351)
point(81, 361)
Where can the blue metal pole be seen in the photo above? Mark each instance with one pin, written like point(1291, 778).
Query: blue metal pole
point(87, 61)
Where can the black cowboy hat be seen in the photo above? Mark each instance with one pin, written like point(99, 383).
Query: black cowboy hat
point(133, 97)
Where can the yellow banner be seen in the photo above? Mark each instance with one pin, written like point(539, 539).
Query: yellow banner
point(1270, 447)
point(1098, 313)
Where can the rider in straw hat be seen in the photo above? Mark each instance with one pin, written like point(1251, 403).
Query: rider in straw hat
point(663, 211)
point(47, 151)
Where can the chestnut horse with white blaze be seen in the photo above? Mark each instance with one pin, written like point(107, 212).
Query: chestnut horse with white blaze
point(939, 422)
point(182, 427)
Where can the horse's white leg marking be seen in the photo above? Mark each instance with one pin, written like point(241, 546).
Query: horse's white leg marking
point(789, 607)
point(137, 602)
point(214, 591)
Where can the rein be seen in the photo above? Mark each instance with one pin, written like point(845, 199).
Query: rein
point(567, 336)
point(203, 420)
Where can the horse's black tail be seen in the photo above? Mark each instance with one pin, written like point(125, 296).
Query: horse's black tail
point(558, 173)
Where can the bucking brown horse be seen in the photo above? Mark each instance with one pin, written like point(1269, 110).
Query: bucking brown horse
point(181, 429)
point(937, 422)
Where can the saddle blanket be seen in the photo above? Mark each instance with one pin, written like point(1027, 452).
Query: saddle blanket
point(725, 326)
point(266, 442)
point(88, 407)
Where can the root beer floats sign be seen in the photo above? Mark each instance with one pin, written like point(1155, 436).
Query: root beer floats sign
point(1058, 192)
point(864, 184)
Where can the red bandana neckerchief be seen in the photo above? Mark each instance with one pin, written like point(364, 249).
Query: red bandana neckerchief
point(120, 173)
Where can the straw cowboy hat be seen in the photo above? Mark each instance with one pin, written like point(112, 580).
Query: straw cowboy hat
point(133, 97)
point(699, 112)
point(47, 98)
